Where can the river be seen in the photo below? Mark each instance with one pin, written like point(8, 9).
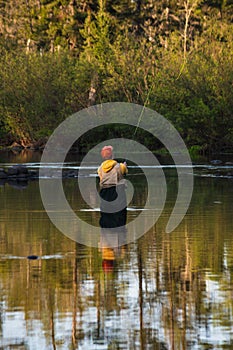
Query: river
point(161, 291)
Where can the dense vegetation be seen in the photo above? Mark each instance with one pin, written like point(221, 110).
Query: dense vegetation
point(58, 57)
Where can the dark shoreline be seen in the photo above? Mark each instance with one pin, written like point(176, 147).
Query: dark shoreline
point(19, 167)
point(20, 175)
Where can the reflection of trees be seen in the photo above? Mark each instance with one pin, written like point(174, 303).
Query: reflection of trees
point(171, 290)
point(162, 283)
point(75, 303)
point(178, 277)
point(140, 297)
point(51, 304)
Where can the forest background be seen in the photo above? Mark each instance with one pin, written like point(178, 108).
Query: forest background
point(175, 57)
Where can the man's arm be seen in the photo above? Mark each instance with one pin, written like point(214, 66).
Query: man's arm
point(123, 167)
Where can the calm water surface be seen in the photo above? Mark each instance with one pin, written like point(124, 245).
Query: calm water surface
point(163, 291)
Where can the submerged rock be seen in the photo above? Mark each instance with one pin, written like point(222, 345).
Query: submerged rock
point(15, 174)
point(216, 162)
point(12, 171)
point(17, 170)
point(32, 257)
point(3, 174)
point(33, 173)
point(19, 184)
point(22, 169)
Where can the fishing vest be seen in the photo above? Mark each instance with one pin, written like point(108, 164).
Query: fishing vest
point(113, 177)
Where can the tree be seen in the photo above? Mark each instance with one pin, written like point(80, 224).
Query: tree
point(97, 48)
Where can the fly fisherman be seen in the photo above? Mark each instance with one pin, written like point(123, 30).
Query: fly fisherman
point(113, 204)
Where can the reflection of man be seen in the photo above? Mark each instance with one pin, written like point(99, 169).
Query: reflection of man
point(112, 247)
point(112, 190)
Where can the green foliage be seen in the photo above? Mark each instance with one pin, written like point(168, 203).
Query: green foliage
point(38, 93)
point(154, 53)
point(97, 39)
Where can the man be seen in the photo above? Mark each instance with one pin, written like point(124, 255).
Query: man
point(112, 190)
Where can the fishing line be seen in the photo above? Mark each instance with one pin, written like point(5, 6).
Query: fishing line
point(181, 70)
point(142, 111)
point(140, 116)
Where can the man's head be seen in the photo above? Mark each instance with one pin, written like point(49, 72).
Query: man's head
point(106, 152)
